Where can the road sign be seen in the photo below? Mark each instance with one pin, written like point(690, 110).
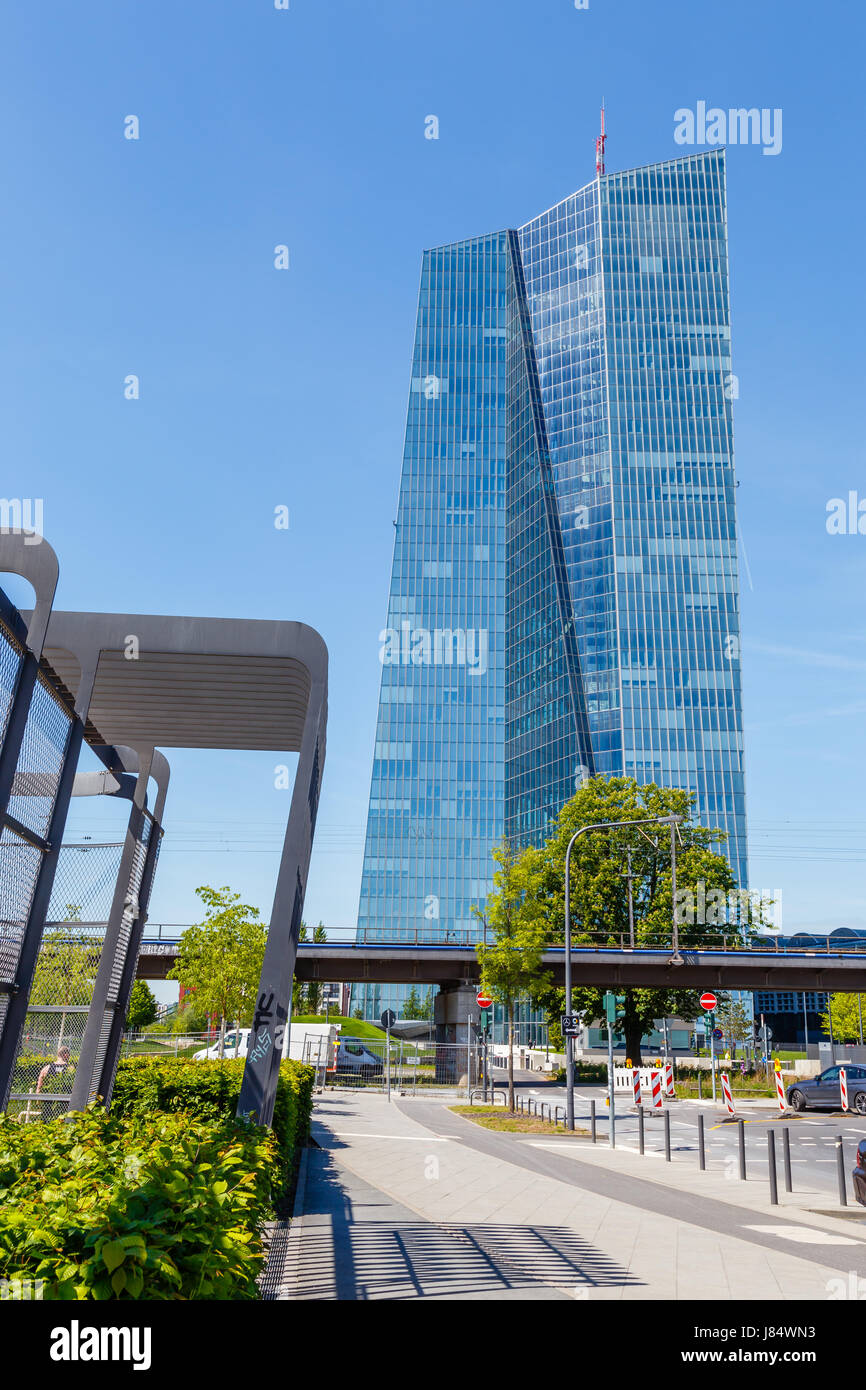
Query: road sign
point(388, 1019)
point(718, 1034)
point(708, 1001)
point(483, 1000)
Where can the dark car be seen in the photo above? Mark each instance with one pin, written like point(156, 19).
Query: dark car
point(825, 1091)
point(859, 1174)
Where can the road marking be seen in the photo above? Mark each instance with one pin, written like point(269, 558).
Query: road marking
point(805, 1235)
point(413, 1138)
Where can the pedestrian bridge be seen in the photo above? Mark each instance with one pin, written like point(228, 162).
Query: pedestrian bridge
point(766, 964)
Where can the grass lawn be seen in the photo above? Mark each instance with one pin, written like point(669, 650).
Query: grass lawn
point(351, 1027)
point(499, 1119)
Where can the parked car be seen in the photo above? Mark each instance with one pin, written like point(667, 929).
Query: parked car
point(859, 1174)
point(825, 1091)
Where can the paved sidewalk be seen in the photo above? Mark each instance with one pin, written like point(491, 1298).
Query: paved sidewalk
point(355, 1243)
point(410, 1200)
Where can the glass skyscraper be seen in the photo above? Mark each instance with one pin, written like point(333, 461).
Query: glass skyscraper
point(564, 593)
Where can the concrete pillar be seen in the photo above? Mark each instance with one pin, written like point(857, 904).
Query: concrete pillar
point(454, 1006)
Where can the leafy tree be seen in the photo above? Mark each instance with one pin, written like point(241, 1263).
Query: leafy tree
point(142, 1006)
point(599, 892)
point(221, 958)
point(299, 993)
point(313, 1001)
point(846, 1011)
point(734, 1019)
point(511, 965)
point(413, 1007)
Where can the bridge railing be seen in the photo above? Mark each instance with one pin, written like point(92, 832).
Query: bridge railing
point(161, 937)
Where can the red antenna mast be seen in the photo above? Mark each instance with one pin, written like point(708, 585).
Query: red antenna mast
point(599, 148)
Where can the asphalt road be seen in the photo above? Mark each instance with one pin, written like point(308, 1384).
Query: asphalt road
point(812, 1134)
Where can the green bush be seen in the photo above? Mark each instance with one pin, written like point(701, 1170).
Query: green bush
point(152, 1206)
point(210, 1091)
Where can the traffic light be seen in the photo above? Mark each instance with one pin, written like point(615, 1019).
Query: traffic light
point(485, 1018)
point(614, 1010)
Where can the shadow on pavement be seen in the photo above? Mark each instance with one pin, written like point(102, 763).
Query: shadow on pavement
point(357, 1244)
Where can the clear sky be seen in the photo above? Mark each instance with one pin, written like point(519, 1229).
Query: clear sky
point(261, 387)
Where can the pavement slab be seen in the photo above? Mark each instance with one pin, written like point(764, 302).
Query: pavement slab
point(408, 1200)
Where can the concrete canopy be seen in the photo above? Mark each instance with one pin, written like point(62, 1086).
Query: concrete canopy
point(142, 681)
point(193, 682)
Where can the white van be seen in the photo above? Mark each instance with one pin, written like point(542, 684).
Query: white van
point(303, 1042)
point(354, 1057)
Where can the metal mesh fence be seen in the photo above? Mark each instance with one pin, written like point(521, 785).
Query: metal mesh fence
point(63, 982)
point(10, 664)
point(40, 761)
point(414, 1066)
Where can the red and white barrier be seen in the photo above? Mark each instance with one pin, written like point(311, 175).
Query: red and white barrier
point(670, 1089)
point(635, 1078)
point(726, 1092)
point(780, 1091)
point(656, 1078)
point(843, 1082)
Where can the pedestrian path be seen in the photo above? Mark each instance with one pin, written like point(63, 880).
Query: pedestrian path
point(409, 1200)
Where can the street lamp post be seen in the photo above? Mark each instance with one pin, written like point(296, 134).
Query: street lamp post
point(603, 825)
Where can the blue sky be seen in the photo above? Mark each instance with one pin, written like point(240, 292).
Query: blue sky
point(262, 388)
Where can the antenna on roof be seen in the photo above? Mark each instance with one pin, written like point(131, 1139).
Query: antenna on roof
point(599, 146)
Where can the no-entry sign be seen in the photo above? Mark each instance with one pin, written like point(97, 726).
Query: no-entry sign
point(483, 1000)
point(708, 1001)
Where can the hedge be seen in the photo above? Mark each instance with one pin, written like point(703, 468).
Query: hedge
point(165, 1198)
point(210, 1090)
point(145, 1207)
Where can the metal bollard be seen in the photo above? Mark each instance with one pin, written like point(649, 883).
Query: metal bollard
point(741, 1126)
point(640, 1128)
point(700, 1085)
point(667, 1136)
point(786, 1150)
point(702, 1148)
point(840, 1169)
point(771, 1159)
point(592, 1119)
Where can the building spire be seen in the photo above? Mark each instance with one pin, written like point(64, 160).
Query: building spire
point(599, 146)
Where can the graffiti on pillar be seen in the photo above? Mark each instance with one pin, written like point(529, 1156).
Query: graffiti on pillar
point(264, 1011)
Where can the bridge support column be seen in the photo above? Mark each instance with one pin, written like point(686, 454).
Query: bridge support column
point(454, 1006)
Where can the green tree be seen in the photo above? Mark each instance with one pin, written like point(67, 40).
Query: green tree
point(599, 891)
point(412, 1008)
point(511, 964)
point(221, 958)
point(142, 1006)
point(734, 1019)
point(299, 991)
point(313, 1001)
point(847, 1012)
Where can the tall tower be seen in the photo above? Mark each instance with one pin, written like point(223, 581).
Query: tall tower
point(567, 527)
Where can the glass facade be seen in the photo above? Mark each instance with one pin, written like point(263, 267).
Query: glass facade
point(564, 595)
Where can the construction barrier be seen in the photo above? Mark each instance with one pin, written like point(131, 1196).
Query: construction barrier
point(635, 1076)
point(780, 1089)
point(670, 1089)
point(726, 1092)
point(843, 1082)
point(656, 1078)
